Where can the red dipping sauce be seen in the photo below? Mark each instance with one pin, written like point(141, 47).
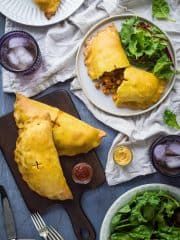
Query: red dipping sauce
point(82, 173)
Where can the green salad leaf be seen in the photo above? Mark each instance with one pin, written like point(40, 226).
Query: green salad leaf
point(120, 236)
point(160, 9)
point(141, 232)
point(170, 119)
point(163, 68)
point(147, 216)
point(146, 47)
point(168, 233)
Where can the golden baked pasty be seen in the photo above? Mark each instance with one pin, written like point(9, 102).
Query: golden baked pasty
point(71, 135)
point(49, 7)
point(139, 89)
point(25, 109)
point(104, 53)
point(38, 162)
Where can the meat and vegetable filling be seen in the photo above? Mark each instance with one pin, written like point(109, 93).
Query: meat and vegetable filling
point(110, 82)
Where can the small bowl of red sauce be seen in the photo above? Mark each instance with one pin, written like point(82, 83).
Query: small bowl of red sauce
point(165, 155)
point(82, 173)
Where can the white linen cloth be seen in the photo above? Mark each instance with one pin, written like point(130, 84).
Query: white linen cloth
point(59, 44)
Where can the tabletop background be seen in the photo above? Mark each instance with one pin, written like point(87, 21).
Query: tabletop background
point(95, 202)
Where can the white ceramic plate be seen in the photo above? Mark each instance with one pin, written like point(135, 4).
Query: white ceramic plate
point(96, 97)
point(125, 198)
point(28, 13)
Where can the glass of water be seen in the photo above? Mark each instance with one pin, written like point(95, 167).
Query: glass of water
point(19, 53)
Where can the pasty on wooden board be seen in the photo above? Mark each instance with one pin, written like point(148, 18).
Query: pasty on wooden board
point(25, 108)
point(38, 160)
point(49, 7)
point(71, 135)
point(104, 53)
point(139, 89)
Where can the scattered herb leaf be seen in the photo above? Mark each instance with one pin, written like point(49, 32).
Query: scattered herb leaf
point(160, 9)
point(170, 119)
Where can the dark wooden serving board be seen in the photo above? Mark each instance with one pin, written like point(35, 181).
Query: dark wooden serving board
point(8, 136)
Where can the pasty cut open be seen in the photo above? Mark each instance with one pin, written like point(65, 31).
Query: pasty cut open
point(104, 53)
point(139, 89)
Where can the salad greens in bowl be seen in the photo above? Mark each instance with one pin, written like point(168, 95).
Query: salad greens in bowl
point(147, 212)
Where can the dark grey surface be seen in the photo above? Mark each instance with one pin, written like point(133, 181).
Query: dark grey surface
point(95, 202)
point(8, 215)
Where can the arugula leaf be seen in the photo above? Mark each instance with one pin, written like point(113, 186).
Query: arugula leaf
point(160, 9)
point(168, 233)
point(170, 119)
point(160, 218)
point(164, 195)
point(125, 209)
point(141, 232)
point(149, 212)
point(146, 201)
point(120, 236)
point(115, 221)
point(124, 227)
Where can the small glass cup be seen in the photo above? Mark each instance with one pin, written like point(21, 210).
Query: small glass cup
point(19, 53)
point(166, 161)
